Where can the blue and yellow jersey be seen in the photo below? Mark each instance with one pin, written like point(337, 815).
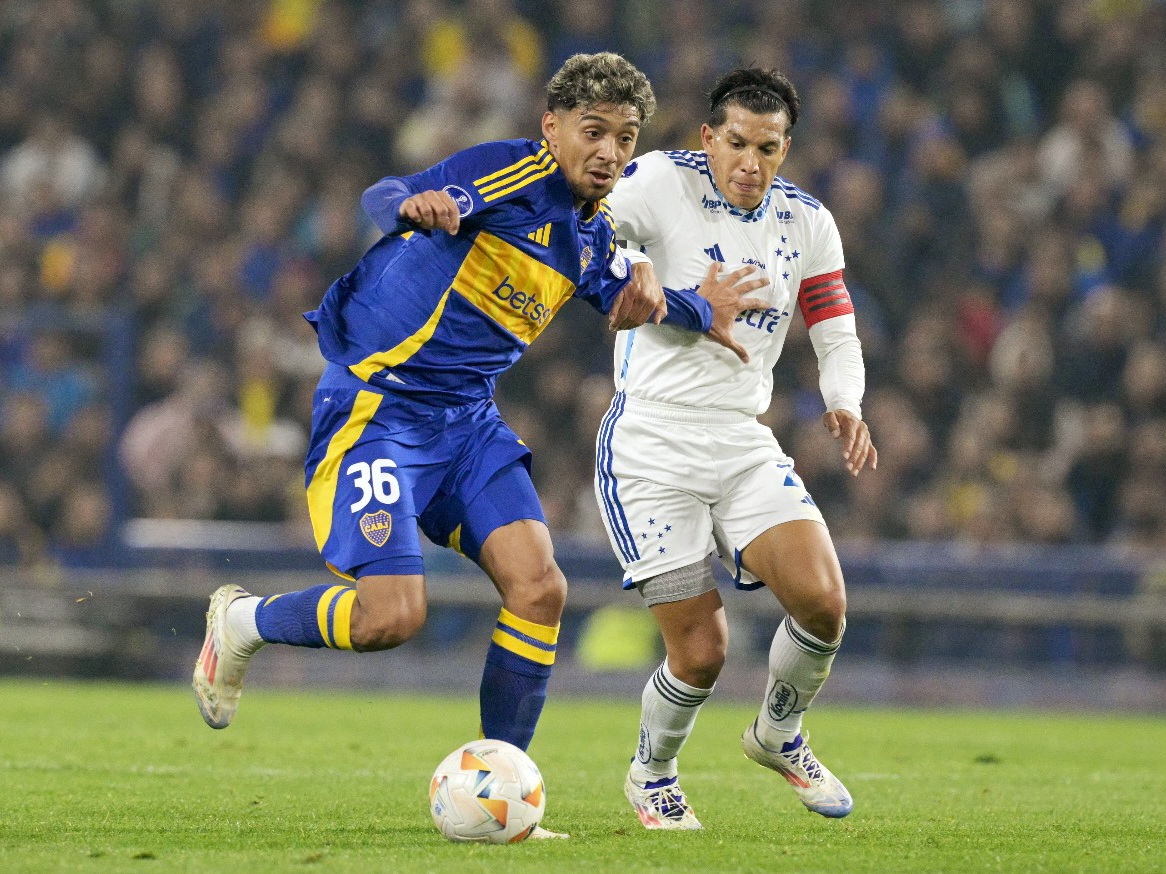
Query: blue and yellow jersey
point(439, 316)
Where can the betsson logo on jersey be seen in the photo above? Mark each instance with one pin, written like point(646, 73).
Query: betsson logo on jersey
point(523, 302)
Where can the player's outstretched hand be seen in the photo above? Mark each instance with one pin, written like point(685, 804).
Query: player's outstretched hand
point(857, 448)
point(432, 210)
point(641, 299)
point(726, 295)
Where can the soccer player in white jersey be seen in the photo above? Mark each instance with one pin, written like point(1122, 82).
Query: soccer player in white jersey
point(683, 467)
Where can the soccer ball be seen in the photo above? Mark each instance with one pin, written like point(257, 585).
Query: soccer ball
point(487, 790)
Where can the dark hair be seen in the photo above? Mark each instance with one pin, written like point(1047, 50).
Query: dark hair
point(756, 89)
point(589, 80)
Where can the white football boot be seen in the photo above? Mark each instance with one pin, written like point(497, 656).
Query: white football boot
point(219, 670)
point(545, 834)
point(817, 788)
point(660, 804)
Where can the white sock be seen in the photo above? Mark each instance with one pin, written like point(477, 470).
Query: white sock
point(669, 712)
point(799, 664)
point(241, 624)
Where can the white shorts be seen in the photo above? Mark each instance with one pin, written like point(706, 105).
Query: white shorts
point(676, 483)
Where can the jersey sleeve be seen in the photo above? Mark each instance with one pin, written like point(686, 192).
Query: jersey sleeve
point(841, 372)
point(601, 288)
point(478, 179)
point(634, 201)
point(829, 314)
point(822, 293)
point(686, 308)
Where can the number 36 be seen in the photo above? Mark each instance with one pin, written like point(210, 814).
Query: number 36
point(374, 479)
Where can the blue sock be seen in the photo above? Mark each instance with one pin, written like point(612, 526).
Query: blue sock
point(514, 681)
point(317, 617)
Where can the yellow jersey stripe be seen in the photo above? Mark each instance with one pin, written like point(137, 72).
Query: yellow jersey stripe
point(547, 172)
point(342, 619)
point(322, 489)
point(522, 168)
point(543, 159)
point(522, 648)
point(404, 350)
point(517, 165)
point(322, 612)
point(544, 633)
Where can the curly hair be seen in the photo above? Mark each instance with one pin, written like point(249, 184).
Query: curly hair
point(756, 89)
point(605, 77)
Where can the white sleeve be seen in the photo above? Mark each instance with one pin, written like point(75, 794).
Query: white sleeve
point(829, 313)
point(635, 256)
point(841, 373)
point(637, 217)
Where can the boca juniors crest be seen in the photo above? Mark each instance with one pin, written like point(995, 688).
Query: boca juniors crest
point(377, 527)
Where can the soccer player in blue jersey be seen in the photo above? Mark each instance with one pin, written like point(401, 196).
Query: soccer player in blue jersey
point(479, 252)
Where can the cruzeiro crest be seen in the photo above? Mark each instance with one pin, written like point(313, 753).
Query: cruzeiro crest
point(377, 527)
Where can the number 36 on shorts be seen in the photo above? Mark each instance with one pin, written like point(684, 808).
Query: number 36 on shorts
point(374, 480)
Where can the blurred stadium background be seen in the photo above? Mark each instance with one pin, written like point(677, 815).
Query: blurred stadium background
point(179, 181)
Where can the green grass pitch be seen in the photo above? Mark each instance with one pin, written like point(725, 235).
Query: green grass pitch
point(112, 778)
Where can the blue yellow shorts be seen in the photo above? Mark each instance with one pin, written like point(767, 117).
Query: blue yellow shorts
point(381, 467)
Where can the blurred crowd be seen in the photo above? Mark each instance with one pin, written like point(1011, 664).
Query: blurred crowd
point(180, 181)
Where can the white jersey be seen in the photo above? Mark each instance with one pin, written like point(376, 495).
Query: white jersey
point(667, 205)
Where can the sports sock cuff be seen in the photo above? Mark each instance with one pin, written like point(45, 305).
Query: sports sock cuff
point(677, 691)
point(806, 642)
point(525, 639)
point(241, 621)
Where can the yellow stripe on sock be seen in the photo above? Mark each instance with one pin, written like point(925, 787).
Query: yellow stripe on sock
point(322, 612)
point(544, 633)
point(522, 648)
point(342, 619)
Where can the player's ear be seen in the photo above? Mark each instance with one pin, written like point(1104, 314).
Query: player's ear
point(706, 137)
point(550, 127)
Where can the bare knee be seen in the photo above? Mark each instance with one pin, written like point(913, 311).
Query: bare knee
point(700, 663)
point(387, 622)
point(823, 616)
point(536, 592)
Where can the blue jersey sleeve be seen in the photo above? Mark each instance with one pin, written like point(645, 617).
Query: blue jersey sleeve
point(602, 288)
point(475, 179)
point(686, 308)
